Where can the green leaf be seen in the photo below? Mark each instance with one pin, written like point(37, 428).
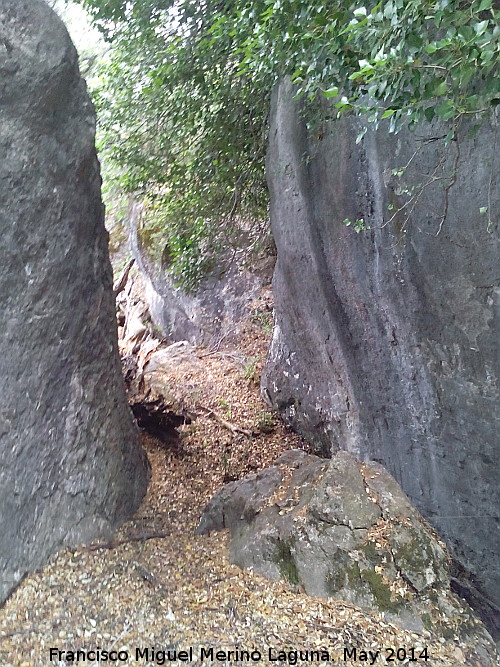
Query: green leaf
point(449, 137)
point(388, 112)
point(445, 110)
point(332, 92)
point(415, 40)
point(440, 88)
point(474, 130)
point(361, 134)
point(480, 27)
point(483, 210)
point(429, 113)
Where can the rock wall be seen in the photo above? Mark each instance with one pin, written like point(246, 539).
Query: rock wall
point(70, 464)
point(215, 310)
point(386, 343)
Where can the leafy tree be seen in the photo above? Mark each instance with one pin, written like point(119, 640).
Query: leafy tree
point(186, 131)
point(184, 101)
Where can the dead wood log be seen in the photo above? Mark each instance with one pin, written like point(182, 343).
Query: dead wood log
point(119, 286)
point(155, 415)
point(230, 427)
point(114, 544)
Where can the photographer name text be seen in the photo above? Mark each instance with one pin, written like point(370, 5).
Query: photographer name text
point(210, 654)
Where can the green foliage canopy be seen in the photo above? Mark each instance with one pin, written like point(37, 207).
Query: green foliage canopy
point(183, 102)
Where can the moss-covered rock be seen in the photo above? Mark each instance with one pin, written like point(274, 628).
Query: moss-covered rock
point(286, 563)
point(418, 556)
point(344, 530)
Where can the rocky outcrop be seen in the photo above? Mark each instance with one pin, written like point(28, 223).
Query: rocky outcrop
point(341, 529)
point(209, 314)
point(71, 468)
point(386, 343)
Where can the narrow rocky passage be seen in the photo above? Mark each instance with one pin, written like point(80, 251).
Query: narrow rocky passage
point(157, 586)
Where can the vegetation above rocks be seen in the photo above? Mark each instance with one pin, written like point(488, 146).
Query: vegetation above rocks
point(183, 99)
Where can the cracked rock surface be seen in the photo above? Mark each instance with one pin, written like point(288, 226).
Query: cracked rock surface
point(341, 529)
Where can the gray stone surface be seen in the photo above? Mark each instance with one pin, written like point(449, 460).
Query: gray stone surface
point(340, 497)
point(70, 464)
point(387, 343)
point(214, 311)
point(239, 501)
point(329, 528)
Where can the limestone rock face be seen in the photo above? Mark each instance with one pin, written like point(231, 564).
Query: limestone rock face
point(214, 311)
point(386, 342)
point(70, 464)
point(340, 529)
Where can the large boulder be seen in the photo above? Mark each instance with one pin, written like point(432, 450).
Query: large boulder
point(386, 342)
point(341, 529)
point(71, 468)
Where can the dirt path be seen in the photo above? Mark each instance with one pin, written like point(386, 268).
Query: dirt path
point(178, 592)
